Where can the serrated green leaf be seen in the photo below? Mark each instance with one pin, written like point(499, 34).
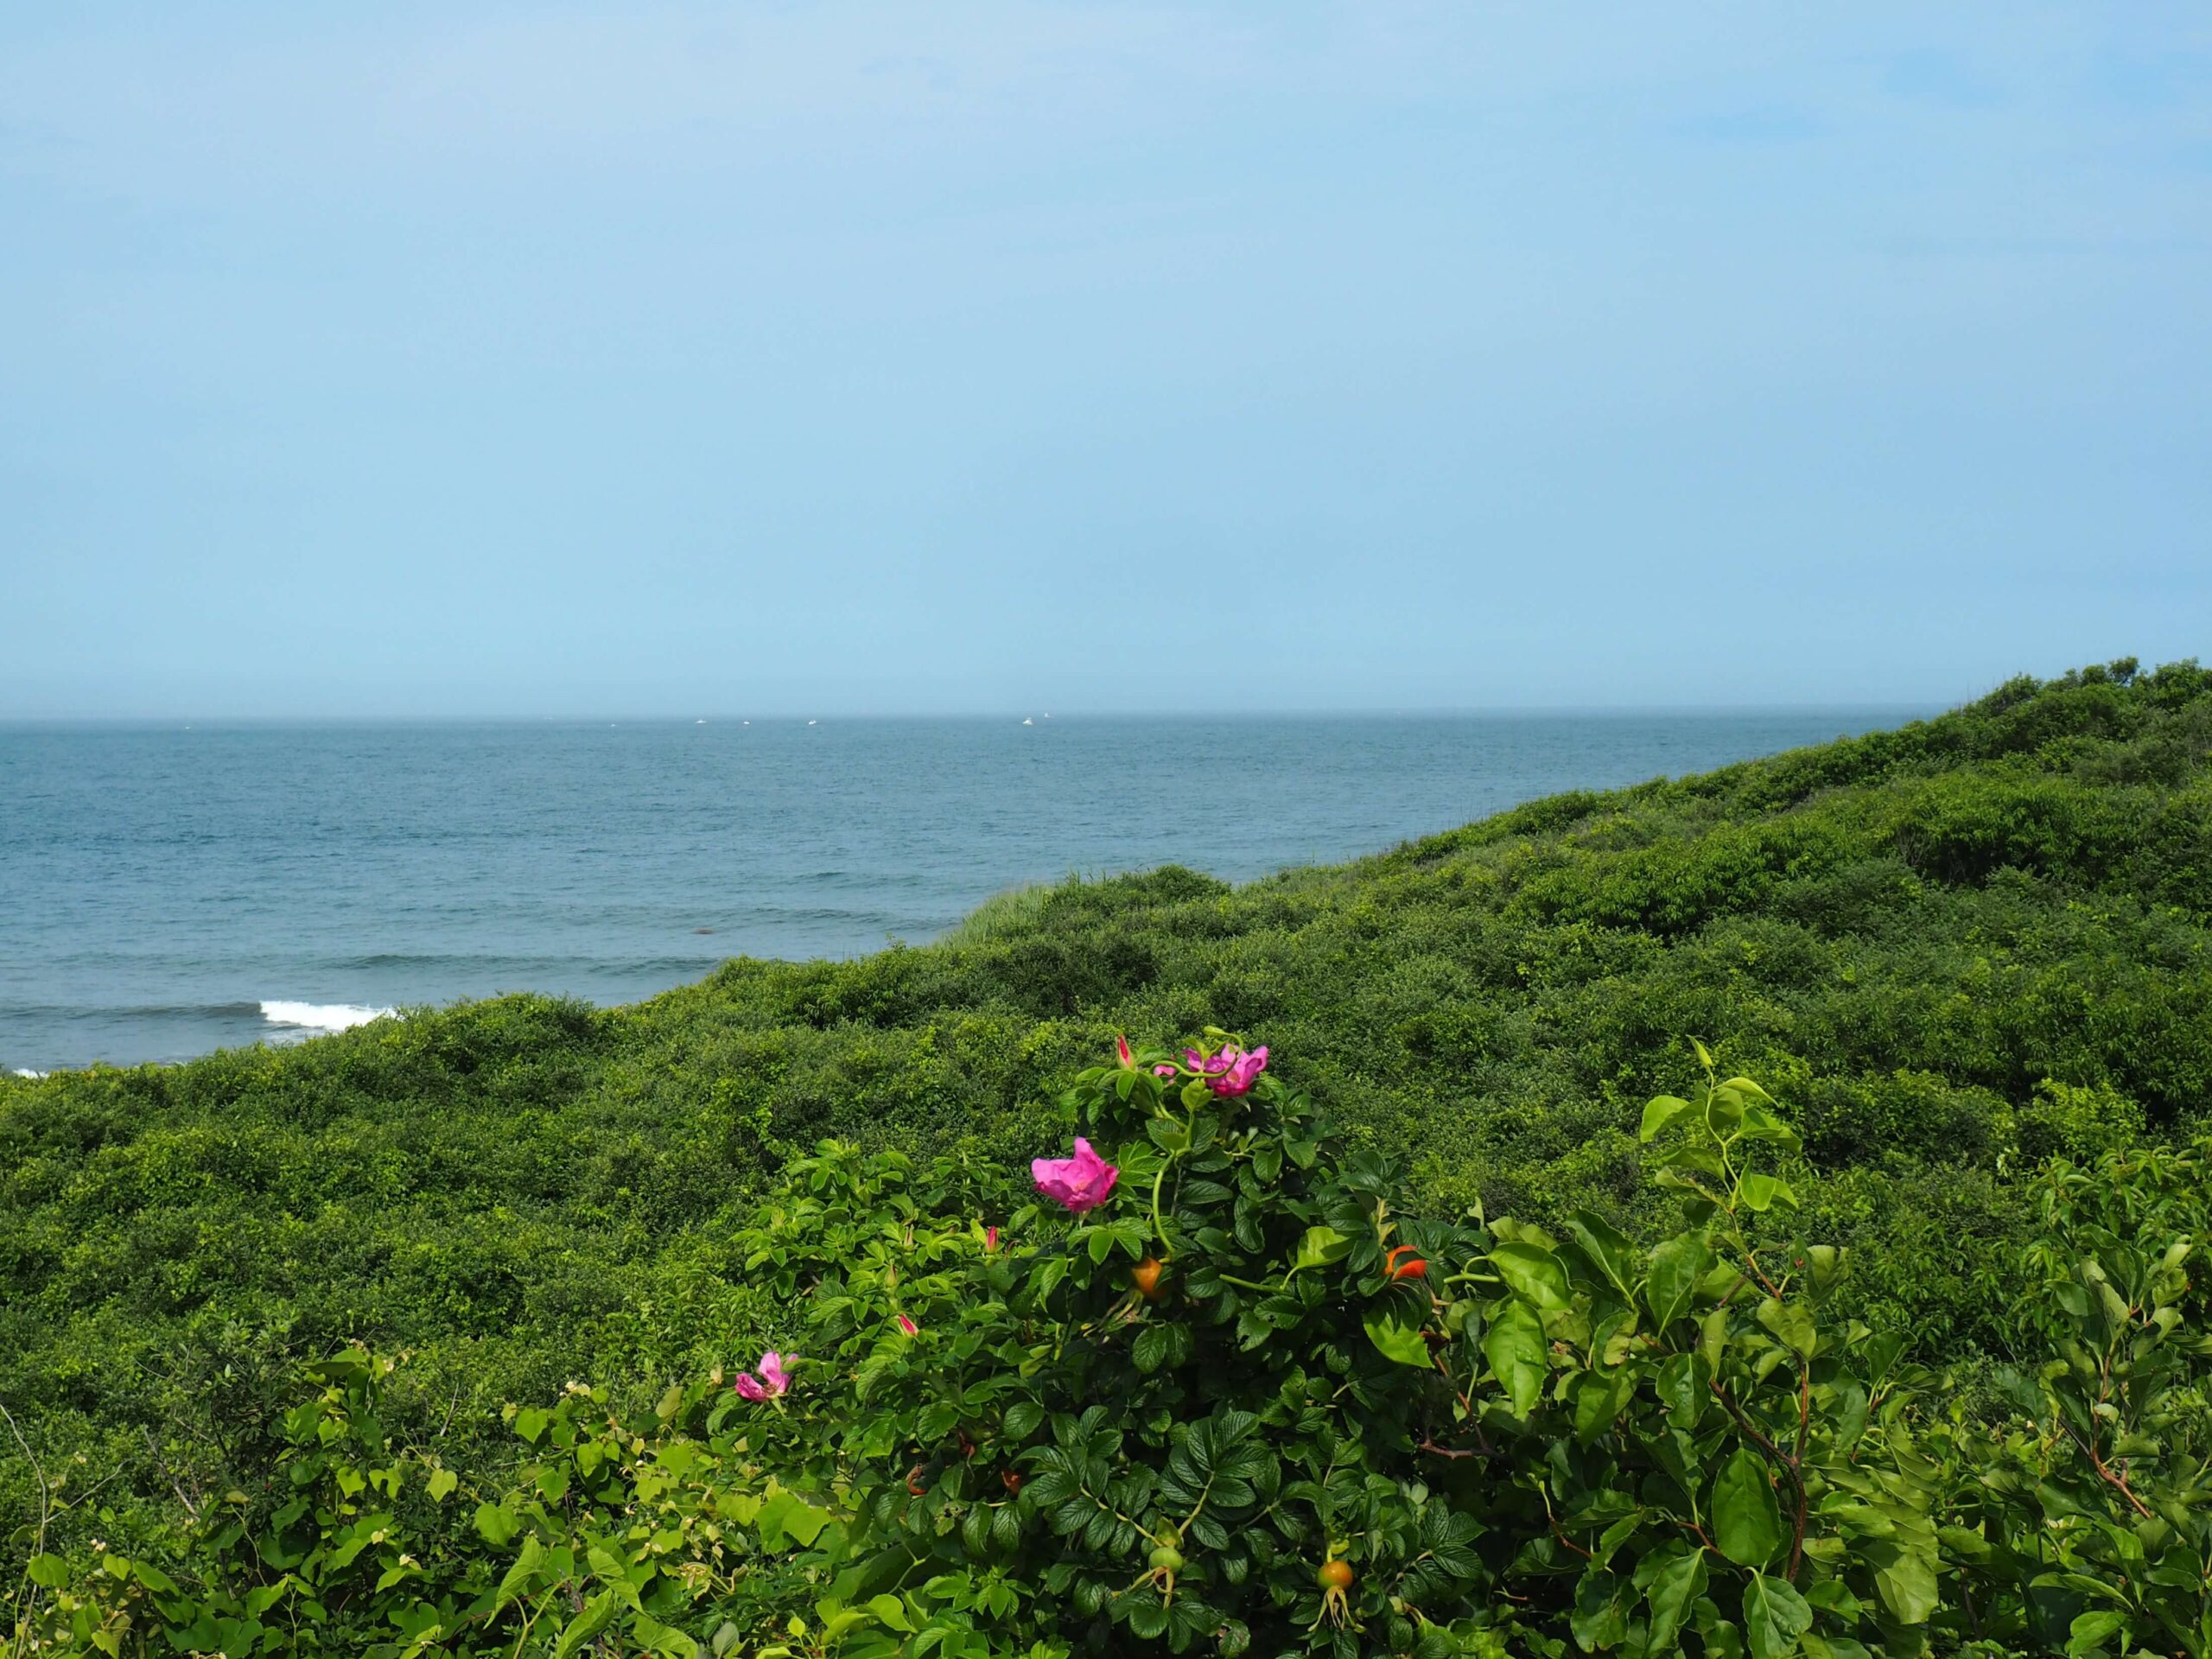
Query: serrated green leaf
point(1319, 1247)
point(1396, 1341)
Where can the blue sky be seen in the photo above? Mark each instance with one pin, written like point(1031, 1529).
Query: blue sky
point(571, 359)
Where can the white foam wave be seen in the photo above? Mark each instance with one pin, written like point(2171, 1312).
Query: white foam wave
point(25, 1072)
point(320, 1016)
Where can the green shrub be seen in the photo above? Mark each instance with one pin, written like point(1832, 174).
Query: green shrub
point(1229, 1394)
point(521, 1191)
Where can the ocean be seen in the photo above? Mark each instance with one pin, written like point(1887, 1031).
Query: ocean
point(166, 890)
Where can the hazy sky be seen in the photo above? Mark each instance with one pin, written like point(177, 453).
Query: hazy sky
point(598, 358)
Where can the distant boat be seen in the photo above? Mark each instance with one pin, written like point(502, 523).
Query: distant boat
point(814, 723)
point(698, 723)
point(1028, 723)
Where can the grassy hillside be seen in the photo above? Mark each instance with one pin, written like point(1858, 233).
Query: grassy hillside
point(1948, 949)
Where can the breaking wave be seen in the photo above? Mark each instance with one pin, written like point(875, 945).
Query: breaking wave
point(320, 1016)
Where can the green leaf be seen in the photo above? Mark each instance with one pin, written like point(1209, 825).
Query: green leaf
point(1599, 1399)
point(585, 1626)
point(1680, 1390)
point(1762, 1192)
point(1775, 1615)
point(1746, 1518)
point(1905, 1573)
point(1514, 1345)
point(1601, 1617)
point(1395, 1339)
point(889, 1610)
point(1534, 1275)
point(2090, 1632)
point(1021, 1420)
point(661, 1639)
point(1713, 1339)
point(1659, 1113)
point(48, 1572)
point(1152, 1347)
point(1609, 1251)
point(1673, 1588)
point(442, 1483)
point(1320, 1246)
point(787, 1513)
point(529, 1423)
point(1760, 1124)
point(1791, 1324)
point(516, 1582)
point(1676, 1267)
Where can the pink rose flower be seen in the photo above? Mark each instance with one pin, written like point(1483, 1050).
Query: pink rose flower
point(772, 1381)
point(1230, 1072)
point(1081, 1183)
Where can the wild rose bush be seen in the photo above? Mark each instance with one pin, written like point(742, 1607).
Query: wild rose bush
point(1201, 1384)
point(1215, 1390)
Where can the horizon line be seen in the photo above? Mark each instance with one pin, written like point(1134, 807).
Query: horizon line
point(1408, 711)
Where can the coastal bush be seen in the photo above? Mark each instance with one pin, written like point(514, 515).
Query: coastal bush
point(521, 1191)
point(1224, 1391)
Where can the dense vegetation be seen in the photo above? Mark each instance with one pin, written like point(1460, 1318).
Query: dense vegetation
point(1313, 1419)
point(1950, 952)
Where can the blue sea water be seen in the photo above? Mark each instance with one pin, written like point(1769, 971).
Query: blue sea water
point(168, 890)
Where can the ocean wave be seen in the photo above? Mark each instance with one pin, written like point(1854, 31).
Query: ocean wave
point(25, 1072)
point(321, 1016)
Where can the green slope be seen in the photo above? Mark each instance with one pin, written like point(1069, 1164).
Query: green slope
point(1949, 949)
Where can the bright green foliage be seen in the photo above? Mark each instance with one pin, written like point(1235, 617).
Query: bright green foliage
point(1328, 1425)
point(2085, 1518)
point(1956, 947)
point(1953, 950)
